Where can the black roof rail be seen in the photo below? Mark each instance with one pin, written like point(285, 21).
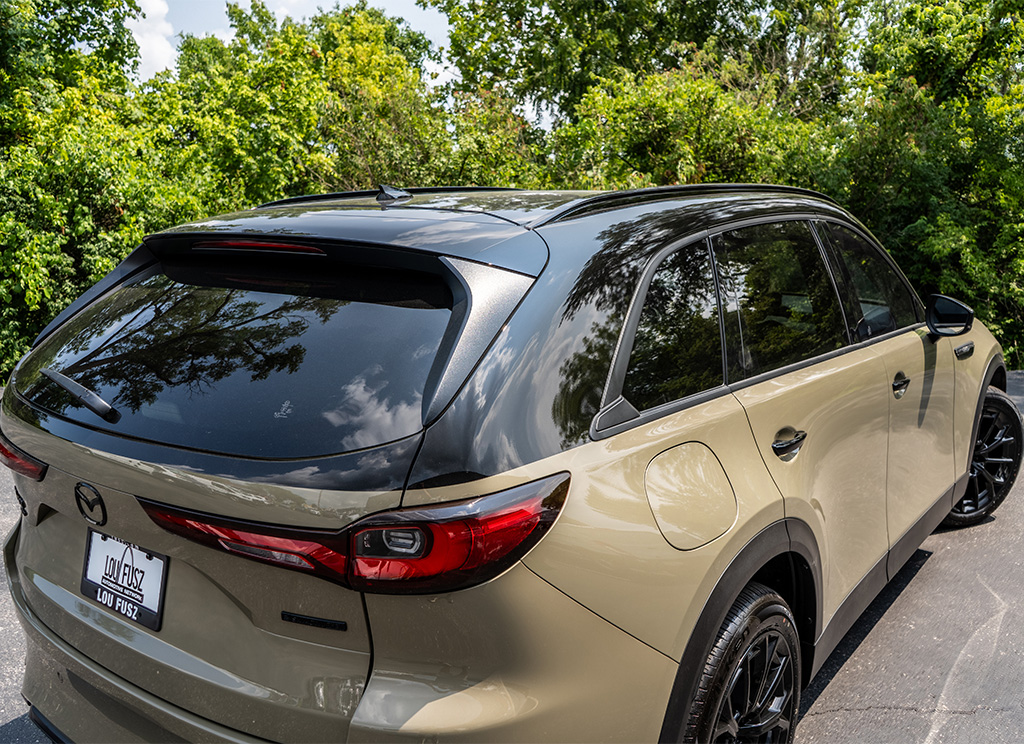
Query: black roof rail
point(658, 193)
point(375, 192)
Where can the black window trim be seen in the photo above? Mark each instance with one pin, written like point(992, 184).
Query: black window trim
point(618, 415)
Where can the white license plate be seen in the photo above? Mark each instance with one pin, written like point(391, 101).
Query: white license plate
point(126, 578)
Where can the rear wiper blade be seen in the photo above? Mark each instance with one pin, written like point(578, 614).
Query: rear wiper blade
point(85, 396)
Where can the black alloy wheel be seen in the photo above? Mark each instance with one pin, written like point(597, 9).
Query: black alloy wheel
point(758, 703)
point(994, 462)
point(750, 689)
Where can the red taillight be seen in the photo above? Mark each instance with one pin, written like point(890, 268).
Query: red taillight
point(419, 550)
point(19, 462)
point(285, 547)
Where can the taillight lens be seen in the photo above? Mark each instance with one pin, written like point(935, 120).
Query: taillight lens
point(303, 550)
point(405, 551)
point(20, 462)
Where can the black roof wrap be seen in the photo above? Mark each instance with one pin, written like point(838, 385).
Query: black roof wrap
point(552, 359)
point(585, 248)
point(518, 206)
point(472, 236)
point(495, 227)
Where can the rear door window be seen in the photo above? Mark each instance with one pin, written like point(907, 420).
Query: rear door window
point(677, 351)
point(780, 306)
point(254, 361)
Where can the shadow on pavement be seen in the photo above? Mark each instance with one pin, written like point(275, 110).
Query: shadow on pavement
point(23, 731)
point(862, 628)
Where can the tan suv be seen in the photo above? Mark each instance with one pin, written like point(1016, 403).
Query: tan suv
point(468, 465)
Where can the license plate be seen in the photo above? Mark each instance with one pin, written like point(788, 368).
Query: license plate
point(125, 578)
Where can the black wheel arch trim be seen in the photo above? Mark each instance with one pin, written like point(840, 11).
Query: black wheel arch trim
point(785, 537)
point(995, 374)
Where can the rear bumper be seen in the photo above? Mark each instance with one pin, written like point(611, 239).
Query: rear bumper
point(82, 701)
point(51, 731)
point(511, 660)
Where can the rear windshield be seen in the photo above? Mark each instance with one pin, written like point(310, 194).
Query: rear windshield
point(256, 362)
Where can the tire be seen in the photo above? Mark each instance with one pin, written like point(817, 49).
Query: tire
point(995, 461)
point(749, 690)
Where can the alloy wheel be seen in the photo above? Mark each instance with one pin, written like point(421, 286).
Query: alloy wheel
point(759, 704)
point(996, 454)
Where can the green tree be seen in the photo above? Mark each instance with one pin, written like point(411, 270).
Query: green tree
point(690, 125)
point(87, 170)
point(929, 152)
point(550, 52)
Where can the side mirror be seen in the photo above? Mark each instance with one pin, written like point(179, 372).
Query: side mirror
point(948, 317)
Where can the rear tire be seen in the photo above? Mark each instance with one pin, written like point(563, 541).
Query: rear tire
point(995, 461)
point(749, 690)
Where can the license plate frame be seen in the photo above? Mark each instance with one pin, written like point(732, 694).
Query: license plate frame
point(127, 579)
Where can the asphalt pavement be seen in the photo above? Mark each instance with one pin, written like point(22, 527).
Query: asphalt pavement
point(937, 657)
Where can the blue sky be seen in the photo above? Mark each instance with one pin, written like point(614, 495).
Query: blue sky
point(165, 19)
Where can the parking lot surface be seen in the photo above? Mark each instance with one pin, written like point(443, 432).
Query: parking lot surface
point(938, 656)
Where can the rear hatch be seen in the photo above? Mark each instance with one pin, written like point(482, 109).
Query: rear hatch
point(273, 384)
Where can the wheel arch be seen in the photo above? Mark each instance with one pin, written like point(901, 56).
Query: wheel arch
point(995, 376)
point(783, 556)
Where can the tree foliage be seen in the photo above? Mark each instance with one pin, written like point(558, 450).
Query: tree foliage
point(550, 52)
point(909, 112)
point(91, 162)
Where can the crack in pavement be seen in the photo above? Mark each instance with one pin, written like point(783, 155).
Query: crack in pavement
point(935, 711)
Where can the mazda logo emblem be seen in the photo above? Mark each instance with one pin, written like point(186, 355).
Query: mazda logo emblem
point(90, 504)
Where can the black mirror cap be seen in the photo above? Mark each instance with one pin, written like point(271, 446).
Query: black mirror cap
point(948, 317)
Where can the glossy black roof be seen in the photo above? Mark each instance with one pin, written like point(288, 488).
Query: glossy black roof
point(530, 208)
point(491, 226)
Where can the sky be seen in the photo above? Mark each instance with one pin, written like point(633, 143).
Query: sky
point(157, 33)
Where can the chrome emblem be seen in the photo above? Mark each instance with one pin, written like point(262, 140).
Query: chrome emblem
point(90, 504)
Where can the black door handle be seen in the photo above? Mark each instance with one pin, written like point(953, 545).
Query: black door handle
point(787, 448)
point(963, 352)
point(900, 385)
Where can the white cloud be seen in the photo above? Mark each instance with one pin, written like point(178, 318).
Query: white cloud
point(371, 417)
point(297, 9)
point(154, 34)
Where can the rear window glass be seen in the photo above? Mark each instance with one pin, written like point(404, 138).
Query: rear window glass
point(254, 362)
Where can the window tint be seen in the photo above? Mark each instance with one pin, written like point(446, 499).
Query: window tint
point(780, 305)
point(250, 362)
point(877, 300)
point(678, 346)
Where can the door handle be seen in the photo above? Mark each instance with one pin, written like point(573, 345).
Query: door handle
point(786, 449)
point(900, 385)
point(963, 352)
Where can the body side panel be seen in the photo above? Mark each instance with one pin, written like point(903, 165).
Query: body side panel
point(920, 466)
point(836, 482)
point(513, 659)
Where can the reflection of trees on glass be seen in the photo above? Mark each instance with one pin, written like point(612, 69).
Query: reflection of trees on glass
point(678, 346)
point(160, 334)
point(610, 276)
point(880, 301)
point(779, 301)
point(605, 285)
point(582, 382)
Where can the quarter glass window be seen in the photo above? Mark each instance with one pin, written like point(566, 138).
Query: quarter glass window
point(780, 305)
point(678, 346)
point(877, 299)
